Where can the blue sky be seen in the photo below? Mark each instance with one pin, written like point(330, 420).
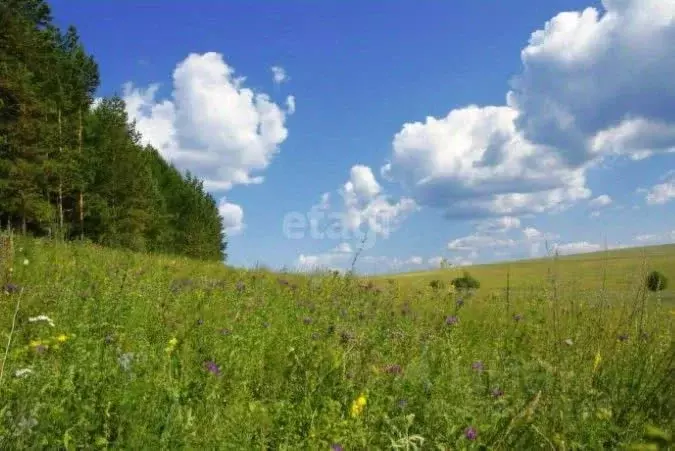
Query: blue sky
point(474, 131)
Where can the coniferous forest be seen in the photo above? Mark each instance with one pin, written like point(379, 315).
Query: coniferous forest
point(74, 170)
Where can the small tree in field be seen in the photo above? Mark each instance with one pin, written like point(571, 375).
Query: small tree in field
point(466, 282)
point(656, 281)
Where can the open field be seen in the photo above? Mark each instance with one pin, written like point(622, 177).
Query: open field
point(147, 352)
point(615, 271)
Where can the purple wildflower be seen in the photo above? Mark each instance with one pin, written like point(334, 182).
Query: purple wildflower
point(623, 337)
point(200, 322)
point(459, 303)
point(225, 331)
point(40, 349)
point(497, 392)
point(241, 286)
point(471, 433)
point(402, 403)
point(451, 320)
point(211, 367)
point(477, 365)
point(109, 339)
point(336, 447)
point(307, 320)
point(517, 317)
point(10, 288)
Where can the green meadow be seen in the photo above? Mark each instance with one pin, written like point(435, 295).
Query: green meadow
point(114, 349)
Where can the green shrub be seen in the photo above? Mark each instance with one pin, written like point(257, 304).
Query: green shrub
point(436, 284)
point(656, 281)
point(466, 282)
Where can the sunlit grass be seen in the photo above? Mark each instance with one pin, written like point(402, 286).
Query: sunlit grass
point(161, 352)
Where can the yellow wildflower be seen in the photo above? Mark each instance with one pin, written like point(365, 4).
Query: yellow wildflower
point(596, 362)
point(172, 344)
point(35, 343)
point(62, 338)
point(358, 405)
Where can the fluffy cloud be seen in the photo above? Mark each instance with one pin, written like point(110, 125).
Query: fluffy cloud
point(592, 85)
point(656, 238)
point(279, 74)
point(503, 224)
point(579, 247)
point(364, 203)
point(233, 217)
point(213, 126)
point(600, 201)
point(341, 261)
point(476, 241)
point(662, 193)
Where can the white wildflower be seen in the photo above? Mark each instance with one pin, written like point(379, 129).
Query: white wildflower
point(25, 262)
point(41, 318)
point(569, 342)
point(23, 372)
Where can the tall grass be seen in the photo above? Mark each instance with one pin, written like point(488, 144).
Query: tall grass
point(161, 352)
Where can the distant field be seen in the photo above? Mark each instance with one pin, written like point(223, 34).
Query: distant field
point(113, 349)
point(616, 270)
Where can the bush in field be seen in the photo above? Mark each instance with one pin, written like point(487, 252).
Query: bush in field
point(656, 281)
point(466, 282)
point(436, 284)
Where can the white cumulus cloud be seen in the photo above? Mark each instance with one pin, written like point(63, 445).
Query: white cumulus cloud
point(662, 193)
point(212, 125)
point(233, 217)
point(600, 201)
point(279, 74)
point(593, 84)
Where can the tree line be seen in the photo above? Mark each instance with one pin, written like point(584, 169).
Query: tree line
point(73, 169)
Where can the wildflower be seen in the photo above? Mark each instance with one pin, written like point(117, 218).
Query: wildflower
point(459, 302)
point(336, 447)
point(477, 366)
point(109, 339)
point(241, 286)
point(25, 262)
point(568, 342)
point(40, 348)
point(517, 317)
point(172, 345)
point(225, 331)
point(596, 361)
point(497, 392)
point(62, 338)
point(10, 288)
point(471, 433)
point(451, 320)
point(358, 405)
point(125, 360)
point(623, 337)
point(211, 367)
point(200, 322)
point(266, 324)
point(23, 372)
point(402, 403)
point(307, 320)
point(41, 318)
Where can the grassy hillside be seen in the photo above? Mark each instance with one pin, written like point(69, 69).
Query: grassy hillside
point(114, 349)
point(615, 270)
